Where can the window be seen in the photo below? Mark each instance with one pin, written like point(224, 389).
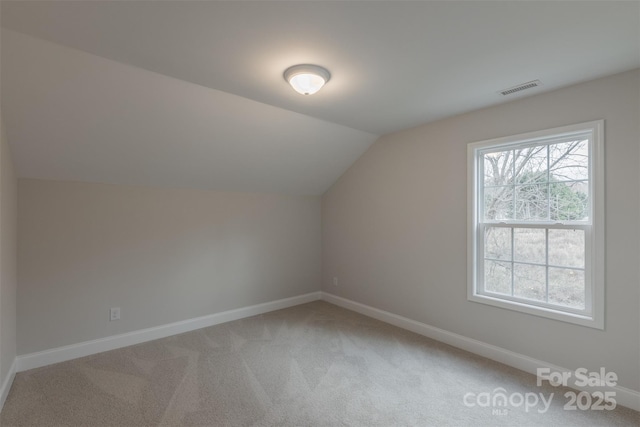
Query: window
point(536, 223)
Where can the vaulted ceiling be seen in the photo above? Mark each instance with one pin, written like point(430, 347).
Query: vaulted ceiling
point(191, 94)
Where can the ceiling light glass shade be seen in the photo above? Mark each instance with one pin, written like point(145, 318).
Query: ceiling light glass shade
point(306, 79)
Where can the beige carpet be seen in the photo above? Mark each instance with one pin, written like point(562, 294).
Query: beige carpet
point(311, 365)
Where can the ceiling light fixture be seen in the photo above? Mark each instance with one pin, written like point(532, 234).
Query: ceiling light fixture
point(306, 79)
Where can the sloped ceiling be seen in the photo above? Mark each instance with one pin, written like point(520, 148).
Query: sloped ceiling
point(191, 93)
point(79, 117)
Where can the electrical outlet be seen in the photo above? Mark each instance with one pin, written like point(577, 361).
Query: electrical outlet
point(335, 281)
point(114, 313)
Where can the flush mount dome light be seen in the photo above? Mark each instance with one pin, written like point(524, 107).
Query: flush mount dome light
point(306, 79)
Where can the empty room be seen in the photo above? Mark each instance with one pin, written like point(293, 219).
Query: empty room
point(319, 213)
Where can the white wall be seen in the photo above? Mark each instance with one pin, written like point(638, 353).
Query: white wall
point(161, 255)
point(8, 205)
point(394, 228)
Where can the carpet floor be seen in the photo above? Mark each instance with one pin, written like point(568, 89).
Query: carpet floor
point(310, 365)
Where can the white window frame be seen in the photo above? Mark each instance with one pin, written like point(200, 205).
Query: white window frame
point(593, 314)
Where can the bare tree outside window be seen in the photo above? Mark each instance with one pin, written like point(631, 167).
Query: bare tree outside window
point(537, 184)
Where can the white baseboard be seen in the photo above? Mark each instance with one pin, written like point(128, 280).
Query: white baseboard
point(623, 396)
point(6, 384)
point(69, 352)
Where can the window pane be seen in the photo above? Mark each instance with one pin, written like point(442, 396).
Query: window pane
point(569, 161)
point(529, 281)
point(532, 202)
point(497, 277)
point(530, 245)
point(569, 201)
point(498, 203)
point(566, 287)
point(566, 248)
point(535, 222)
point(498, 168)
point(497, 243)
point(531, 165)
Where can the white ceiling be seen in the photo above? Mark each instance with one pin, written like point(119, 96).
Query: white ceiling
point(191, 93)
point(79, 117)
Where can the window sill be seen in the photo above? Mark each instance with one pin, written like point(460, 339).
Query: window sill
point(596, 322)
